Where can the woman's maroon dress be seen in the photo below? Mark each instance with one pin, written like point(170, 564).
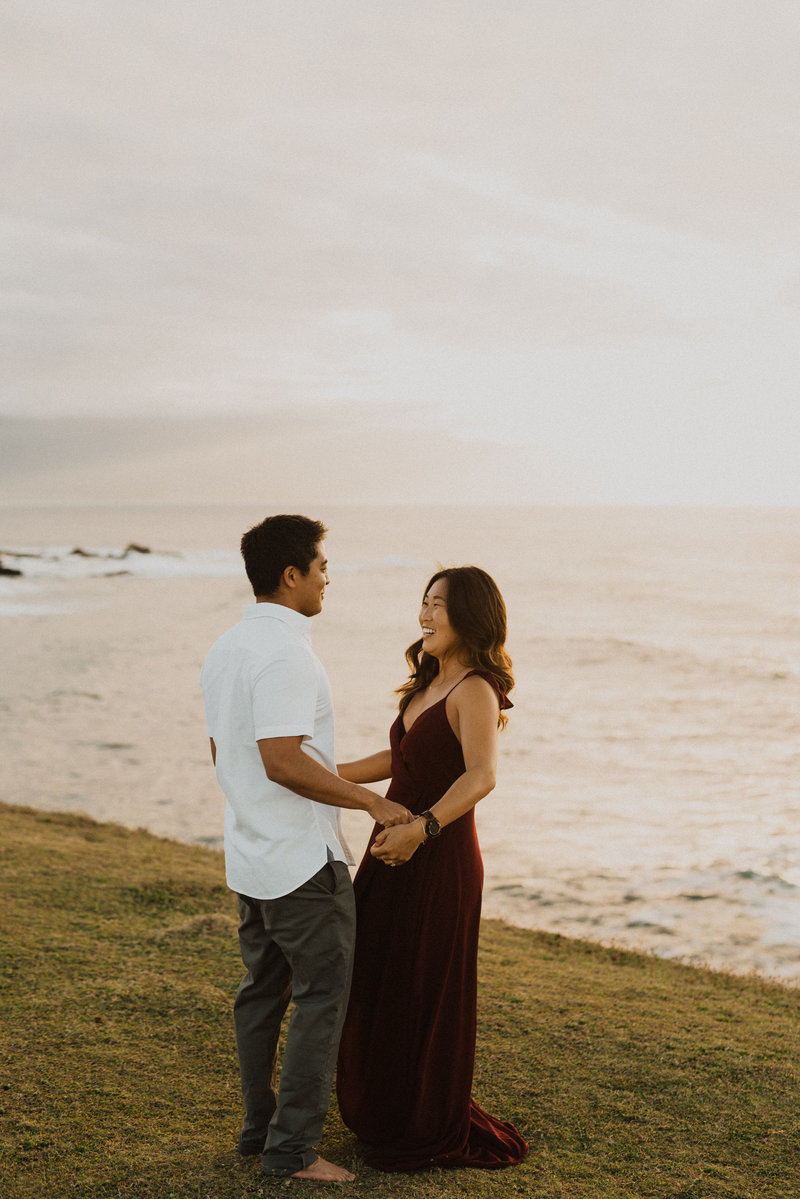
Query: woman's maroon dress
point(408, 1047)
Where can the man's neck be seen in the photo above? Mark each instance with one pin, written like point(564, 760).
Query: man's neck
point(280, 601)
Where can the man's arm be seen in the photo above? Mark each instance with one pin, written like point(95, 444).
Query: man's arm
point(286, 764)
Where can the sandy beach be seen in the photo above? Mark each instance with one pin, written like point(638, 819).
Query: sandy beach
point(647, 791)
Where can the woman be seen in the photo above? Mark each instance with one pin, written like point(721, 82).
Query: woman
point(408, 1047)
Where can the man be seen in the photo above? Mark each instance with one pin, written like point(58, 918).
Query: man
point(270, 721)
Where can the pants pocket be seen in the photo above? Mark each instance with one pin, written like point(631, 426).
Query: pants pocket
point(325, 878)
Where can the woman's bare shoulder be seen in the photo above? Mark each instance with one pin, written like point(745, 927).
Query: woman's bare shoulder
point(475, 689)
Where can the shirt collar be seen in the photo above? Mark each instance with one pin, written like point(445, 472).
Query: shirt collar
point(295, 620)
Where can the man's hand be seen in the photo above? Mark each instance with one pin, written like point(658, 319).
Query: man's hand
point(387, 812)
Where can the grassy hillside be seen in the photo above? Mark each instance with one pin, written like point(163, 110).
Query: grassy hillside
point(628, 1075)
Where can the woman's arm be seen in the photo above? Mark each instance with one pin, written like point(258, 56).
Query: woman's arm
point(373, 769)
point(472, 711)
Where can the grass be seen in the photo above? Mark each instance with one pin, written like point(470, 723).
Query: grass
point(630, 1076)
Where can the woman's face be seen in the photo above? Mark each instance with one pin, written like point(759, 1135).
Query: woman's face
point(439, 638)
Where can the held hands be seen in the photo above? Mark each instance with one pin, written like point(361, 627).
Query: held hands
point(395, 846)
point(387, 812)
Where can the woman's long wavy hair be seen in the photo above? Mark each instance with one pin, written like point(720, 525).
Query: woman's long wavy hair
point(477, 613)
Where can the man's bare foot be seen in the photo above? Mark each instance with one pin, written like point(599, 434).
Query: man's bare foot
point(322, 1171)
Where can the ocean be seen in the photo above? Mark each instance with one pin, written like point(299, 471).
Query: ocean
point(648, 790)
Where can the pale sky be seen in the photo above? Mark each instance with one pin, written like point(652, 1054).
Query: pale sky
point(563, 227)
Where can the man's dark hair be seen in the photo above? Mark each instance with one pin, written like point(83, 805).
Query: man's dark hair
point(278, 542)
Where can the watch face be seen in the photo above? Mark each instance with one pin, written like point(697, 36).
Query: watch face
point(433, 828)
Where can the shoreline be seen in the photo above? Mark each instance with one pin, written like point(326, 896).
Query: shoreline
point(647, 779)
point(626, 1074)
point(490, 913)
point(116, 828)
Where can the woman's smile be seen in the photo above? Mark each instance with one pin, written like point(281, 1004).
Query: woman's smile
point(438, 635)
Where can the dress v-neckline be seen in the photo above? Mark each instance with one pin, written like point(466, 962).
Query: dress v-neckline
point(430, 707)
point(424, 712)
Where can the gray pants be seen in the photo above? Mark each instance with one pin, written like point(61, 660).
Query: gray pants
point(297, 947)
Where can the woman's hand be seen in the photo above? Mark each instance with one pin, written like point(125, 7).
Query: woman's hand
point(397, 845)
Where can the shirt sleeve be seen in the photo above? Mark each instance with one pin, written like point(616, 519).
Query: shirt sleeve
point(284, 695)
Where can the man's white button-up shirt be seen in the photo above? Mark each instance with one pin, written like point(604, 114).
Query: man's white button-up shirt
point(262, 679)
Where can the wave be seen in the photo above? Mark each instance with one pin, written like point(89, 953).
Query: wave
point(60, 562)
point(25, 572)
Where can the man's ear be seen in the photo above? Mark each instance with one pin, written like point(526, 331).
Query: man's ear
point(288, 577)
